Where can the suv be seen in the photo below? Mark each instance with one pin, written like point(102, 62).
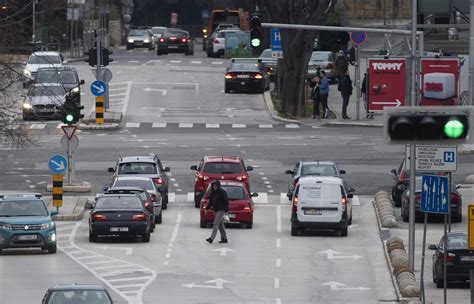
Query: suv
point(43, 100)
point(216, 44)
point(77, 294)
point(148, 166)
point(218, 167)
point(42, 60)
point(321, 202)
point(26, 222)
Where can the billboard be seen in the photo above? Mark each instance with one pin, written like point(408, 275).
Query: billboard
point(439, 81)
point(386, 85)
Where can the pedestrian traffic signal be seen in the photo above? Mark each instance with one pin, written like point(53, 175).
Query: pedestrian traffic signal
point(91, 56)
point(71, 111)
point(255, 31)
point(422, 126)
point(352, 56)
point(105, 56)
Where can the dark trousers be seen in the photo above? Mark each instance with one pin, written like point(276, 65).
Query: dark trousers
point(345, 103)
point(322, 99)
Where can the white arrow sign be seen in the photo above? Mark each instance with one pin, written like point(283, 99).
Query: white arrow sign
point(163, 92)
point(331, 254)
point(128, 250)
point(223, 251)
point(60, 165)
point(339, 286)
point(396, 103)
point(100, 89)
point(218, 284)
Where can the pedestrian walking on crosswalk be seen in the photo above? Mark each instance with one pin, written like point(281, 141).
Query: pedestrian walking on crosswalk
point(218, 201)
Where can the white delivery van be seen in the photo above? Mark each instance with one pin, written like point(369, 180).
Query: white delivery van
point(321, 202)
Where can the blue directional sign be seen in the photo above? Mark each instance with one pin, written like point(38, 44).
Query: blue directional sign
point(434, 194)
point(98, 88)
point(57, 164)
point(358, 37)
point(275, 39)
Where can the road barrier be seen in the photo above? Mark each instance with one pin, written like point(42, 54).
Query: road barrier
point(385, 209)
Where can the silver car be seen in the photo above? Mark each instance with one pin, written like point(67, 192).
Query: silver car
point(323, 61)
point(44, 100)
point(140, 38)
point(270, 62)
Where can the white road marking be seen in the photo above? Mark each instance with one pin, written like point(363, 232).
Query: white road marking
point(278, 263)
point(278, 219)
point(190, 197)
point(133, 61)
point(217, 62)
point(265, 126)
point(276, 283)
point(185, 125)
point(277, 301)
point(159, 125)
point(278, 243)
point(355, 201)
point(239, 126)
point(212, 126)
point(132, 125)
point(173, 236)
point(284, 199)
point(196, 62)
point(175, 61)
point(37, 126)
point(292, 126)
point(262, 198)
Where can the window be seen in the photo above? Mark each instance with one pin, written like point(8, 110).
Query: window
point(234, 192)
point(117, 202)
point(222, 168)
point(65, 77)
point(44, 59)
point(137, 168)
point(138, 33)
point(79, 296)
point(320, 56)
point(245, 66)
point(458, 241)
point(318, 169)
point(140, 183)
point(23, 208)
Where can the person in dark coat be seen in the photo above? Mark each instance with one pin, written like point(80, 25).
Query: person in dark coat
point(218, 201)
point(316, 97)
point(342, 66)
point(345, 87)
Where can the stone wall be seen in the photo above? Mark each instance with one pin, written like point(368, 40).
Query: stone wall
point(378, 9)
point(115, 31)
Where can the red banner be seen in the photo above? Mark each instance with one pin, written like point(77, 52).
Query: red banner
point(439, 81)
point(386, 85)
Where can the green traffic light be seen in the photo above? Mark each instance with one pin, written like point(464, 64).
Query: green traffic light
point(255, 42)
point(454, 128)
point(69, 118)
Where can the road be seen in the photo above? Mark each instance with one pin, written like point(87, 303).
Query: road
point(175, 106)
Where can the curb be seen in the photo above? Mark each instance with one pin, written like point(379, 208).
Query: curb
point(352, 124)
point(267, 98)
point(105, 126)
point(81, 204)
point(84, 187)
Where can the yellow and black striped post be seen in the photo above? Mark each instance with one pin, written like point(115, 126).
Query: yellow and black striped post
point(57, 190)
point(99, 110)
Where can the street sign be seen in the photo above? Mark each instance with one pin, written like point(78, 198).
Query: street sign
point(57, 164)
point(71, 144)
point(98, 88)
point(275, 39)
point(433, 158)
point(435, 194)
point(470, 227)
point(358, 37)
point(69, 131)
point(105, 74)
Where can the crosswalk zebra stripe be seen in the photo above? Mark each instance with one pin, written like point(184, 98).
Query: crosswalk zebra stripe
point(159, 125)
point(185, 125)
point(212, 126)
point(132, 125)
point(265, 126)
point(292, 126)
point(37, 126)
point(239, 126)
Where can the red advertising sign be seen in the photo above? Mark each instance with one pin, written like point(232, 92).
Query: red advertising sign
point(386, 83)
point(439, 81)
point(174, 18)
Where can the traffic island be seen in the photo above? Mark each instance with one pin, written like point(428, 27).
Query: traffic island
point(112, 121)
point(73, 208)
point(384, 208)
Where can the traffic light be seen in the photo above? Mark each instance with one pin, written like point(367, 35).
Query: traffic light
point(91, 56)
point(352, 55)
point(72, 111)
point(422, 125)
point(105, 56)
point(255, 31)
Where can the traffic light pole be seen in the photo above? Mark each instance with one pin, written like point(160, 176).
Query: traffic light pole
point(471, 55)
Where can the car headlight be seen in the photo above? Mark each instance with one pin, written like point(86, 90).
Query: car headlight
point(47, 225)
point(130, 40)
point(147, 41)
point(26, 73)
point(27, 106)
point(5, 226)
point(75, 90)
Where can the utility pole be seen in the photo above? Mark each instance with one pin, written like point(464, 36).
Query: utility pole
point(33, 36)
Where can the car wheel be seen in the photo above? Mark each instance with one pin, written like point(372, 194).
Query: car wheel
point(226, 90)
point(203, 224)
point(159, 219)
point(249, 225)
point(439, 281)
point(458, 217)
point(350, 219)
point(295, 231)
point(92, 237)
point(53, 248)
point(344, 231)
point(146, 237)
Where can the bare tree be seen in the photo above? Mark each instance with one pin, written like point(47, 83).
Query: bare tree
point(297, 45)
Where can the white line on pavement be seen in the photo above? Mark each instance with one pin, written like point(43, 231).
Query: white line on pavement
point(276, 283)
point(159, 125)
point(217, 62)
point(173, 237)
point(132, 125)
point(278, 301)
point(196, 62)
point(212, 126)
point(239, 126)
point(278, 218)
point(185, 125)
point(292, 126)
point(278, 263)
point(265, 126)
point(278, 243)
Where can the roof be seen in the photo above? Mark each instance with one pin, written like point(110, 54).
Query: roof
point(218, 159)
point(324, 179)
point(232, 183)
point(48, 53)
point(317, 162)
point(20, 196)
point(77, 287)
point(132, 177)
point(125, 189)
point(138, 158)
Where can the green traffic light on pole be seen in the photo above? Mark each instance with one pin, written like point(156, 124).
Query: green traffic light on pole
point(255, 42)
point(69, 118)
point(453, 128)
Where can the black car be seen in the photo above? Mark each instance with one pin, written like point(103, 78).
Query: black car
point(74, 293)
point(459, 261)
point(119, 215)
point(175, 41)
point(401, 182)
point(246, 75)
point(456, 203)
point(270, 62)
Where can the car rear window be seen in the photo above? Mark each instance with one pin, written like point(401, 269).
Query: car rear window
point(319, 191)
point(222, 168)
point(245, 66)
point(177, 34)
point(234, 192)
point(79, 296)
point(137, 168)
point(318, 169)
point(318, 56)
point(140, 183)
point(457, 241)
point(23, 208)
point(118, 202)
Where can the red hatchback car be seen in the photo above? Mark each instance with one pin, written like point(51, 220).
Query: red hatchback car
point(218, 167)
point(240, 204)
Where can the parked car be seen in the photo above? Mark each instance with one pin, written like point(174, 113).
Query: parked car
point(456, 203)
point(119, 215)
point(158, 31)
point(75, 293)
point(321, 202)
point(26, 222)
point(44, 101)
point(246, 74)
point(175, 41)
point(216, 44)
point(147, 166)
point(42, 60)
point(313, 167)
point(218, 167)
point(140, 38)
point(459, 261)
point(240, 204)
point(324, 61)
point(270, 62)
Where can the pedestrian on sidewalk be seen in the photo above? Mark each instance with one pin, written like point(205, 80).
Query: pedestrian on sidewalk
point(345, 87)
point(342, 66)
point(324, 92)
point(316, 97)
point(219, 201)
point(363, 93)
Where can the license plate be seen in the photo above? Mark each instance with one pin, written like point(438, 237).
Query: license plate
point(138, 42)
point(242, 76)
point(173, 47)
point(312, 72)
point(313, 212)
point(231, 215)
point(119, 229)
point(466, 258)
point(242, 83)
point(27, 237)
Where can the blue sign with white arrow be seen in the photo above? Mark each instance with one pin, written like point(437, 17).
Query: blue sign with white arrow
point(57, 164)
point(435, 194)
point(275, 40)
point(98, 88)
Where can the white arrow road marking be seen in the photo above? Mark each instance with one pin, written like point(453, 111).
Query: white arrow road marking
point(223, 251)
point(128, 250)
point(60, 166)
point(163, 92)
point(335, 286)
point(100, 89)
point(331, 255)
point(218, 284)
point(396, 103)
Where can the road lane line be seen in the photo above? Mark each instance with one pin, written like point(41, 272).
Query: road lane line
point(196, 62)
point(276, 283)
point(278, 218)
point(179, 217)
point(132, 125)
point(292, 126)
point(239, 126)
point(262, 126)
point(278, 301)
point(185, 125)
point(278, 263)
point(278, 243)
point(159, 125)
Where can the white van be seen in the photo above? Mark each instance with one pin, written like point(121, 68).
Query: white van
point(321, 202)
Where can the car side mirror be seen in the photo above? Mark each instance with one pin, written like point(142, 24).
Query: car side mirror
point(249, 168)
point(82, 82)
point(255, 194)
point(154, 198)
point(167, 169)
point(289, 172)
point(64, 61)
point(350, 195)
point(342, 171)
point(111, 170)
point(105, 188)
point(458, 186)
point(394, 171)
point(433, 247)
point(54, 212)
point(24, 96)
point(194, 167)
point(352, 189)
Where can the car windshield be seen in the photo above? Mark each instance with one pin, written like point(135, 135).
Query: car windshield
point(46, 91)
point(176, 34)
point(23, 208)
point(244, 66)
point(457, 241)
point(221, 34)
point(44, 59)
point(118, 202)
point(318, 169)
point(266, 54)
point(234, 192)
point(56, 76)
point(137, 168)
point(79, 296)
point(222, 168)
point(146, 184)
point(319, 56)
point(319, 191)
point(157, 30)
point(138, 33)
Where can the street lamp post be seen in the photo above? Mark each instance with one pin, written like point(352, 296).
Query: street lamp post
point(33, 36)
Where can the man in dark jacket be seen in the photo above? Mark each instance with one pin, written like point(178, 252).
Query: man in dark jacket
point(345, 87)
point(219, 201)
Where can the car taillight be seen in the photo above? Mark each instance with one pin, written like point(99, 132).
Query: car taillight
point(241, 178)
point(98, 218)
point(401, 178)
point(258, 76)
point(450, 257)
point(295, 204)
point(247, 206)
point(184, 40)
point(189, 40)
point(329, 66)
point(147, 204)
point(344, 201)
point(158, 181)
point(139, 218)
point(162, 39)
point(454, 199)
point(228, 76)
point(216, 41)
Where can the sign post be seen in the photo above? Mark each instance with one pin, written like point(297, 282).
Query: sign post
point(98, 89)
point(357, 38)
point(57, 165)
